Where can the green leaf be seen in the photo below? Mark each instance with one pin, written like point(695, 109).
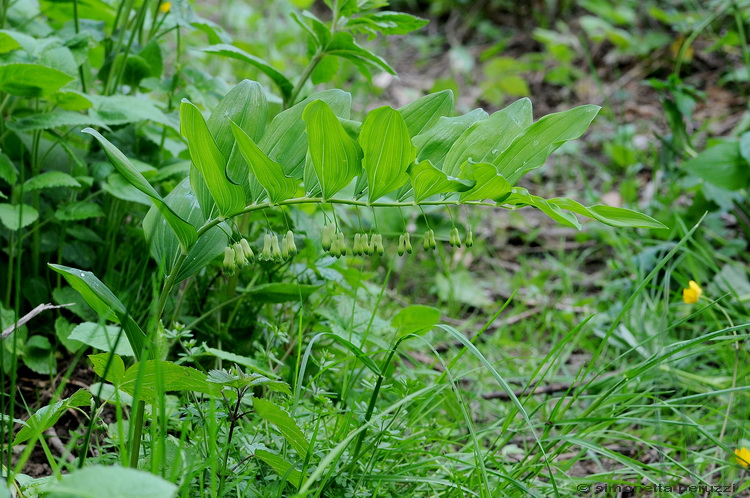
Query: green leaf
point(116, 370)
point(240, 360)
point(530, 150)
point(388, 151)
point(343, 45)
point(388, 22)
point(435, 142)
point(124, 109)
point(54, 119)
point(285, 86)
point(240, 380)
point(78, 211)
point(281, 466)
point(38, 355)
point(72, 100)
point(274, 414)
point(50, 179)
point(158, 376)
point(427, 181)
point(488, 183)
point(165, 247)
point(335, 156)
point(280, 292)
point(485, 140)
point(46, 417)
point(31, 80)
point(269, 174)
point(722, 165)
point(15, 217)
point(8, 170)
point(424, 112)
point(102, 337)
point(184, 231)
point(415, 318)
point(285, 139)
point(614, 216)
point(104, 302)
point(521, 197)
point(326, 69)
point(119, 482)
point(229, 198)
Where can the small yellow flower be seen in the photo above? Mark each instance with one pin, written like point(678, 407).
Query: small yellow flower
point(692, 293)
point(165, 7)
point(742, 455)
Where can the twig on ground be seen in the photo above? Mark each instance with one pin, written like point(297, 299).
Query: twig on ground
point(28, 316)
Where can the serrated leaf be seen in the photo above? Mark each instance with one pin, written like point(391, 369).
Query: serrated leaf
point(72, 100)
point(424, 112)
point(285, 86)
point(50, 179)
point(427, 181)
point(280, 292)
point(124, 109)
point(116, 369)
point(485, 140)
point(46, 417)
point(163, 376)
point(388, 22)
point(388, 151)
point(270, 174)
point(184, 231)
point(240, 360)
point(31, 80)
point(8, 171)
point(281, 466)
point(78, 211)
point(434, 143)
point(104, 302)
point(530, 150)
point(55, 119)
point(229, 198)
point(488, 183)
point(17, 216)
point(274, 414)
point(335, 156)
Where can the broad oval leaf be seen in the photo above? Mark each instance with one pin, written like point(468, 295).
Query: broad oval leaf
point(282, 467)
point(335, 156)
point(50, 179)
point(488, 183)
point(424, 112)
point(530, 150)
point(274, 414)
point(17, 216)
point(388, 151)
point(31, 80)
point(209, 161)
point(415, 318)
point(434, 143)
point(119, 482)
point(269, 174)
point(485, 140)
point(427, 181)
point(184, 231)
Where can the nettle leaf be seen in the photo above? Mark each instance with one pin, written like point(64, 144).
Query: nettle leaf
point(722, 165)
point(282, 467)
point(184, 231)
point(343, 45)
point(164, 245)
point(488, 183)
point(124, 109)
point(269, 174)
point(415, 318)
point(435, 142)
point(424, 112)
point(285, 139)
point(17, 216)
point(240, 380)
point(104, 302)
point(285, 86)
point(31, 80)
point(388, 151)
point(47, 416)
point(335, 156)
point(77, 211)
point(120, 482)
point(388, 22)
point(274, 414)
point(116, 370)
point(8, 170)
point(530, 150)
point(55, 119)
point(152, 377)
point(72, 100)
point(50, 179)
point(427, 181)
point(609, 215)
point(229, 198)
point(485, 140)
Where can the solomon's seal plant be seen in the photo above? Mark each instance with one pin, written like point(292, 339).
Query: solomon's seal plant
point(314, 154)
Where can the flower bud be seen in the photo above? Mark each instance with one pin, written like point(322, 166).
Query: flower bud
point(266, 255)
point(284, 248)
point(470, 239)
point(429, 240)
point(247, 251)
point(342, 244)
point(327, 237)
point(275, 250)
point(290, 242)
point(239, 255)
point(455, 238)
point(433, 244)
point(229, 261)
point(407, 243)
point(335, 248)
point(377, 244)
point(357, 247)
point(401, 245)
